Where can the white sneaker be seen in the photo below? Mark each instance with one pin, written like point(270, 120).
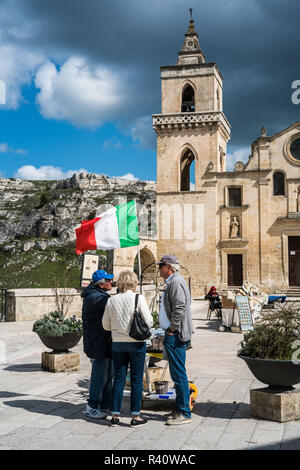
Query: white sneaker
point(94, 413)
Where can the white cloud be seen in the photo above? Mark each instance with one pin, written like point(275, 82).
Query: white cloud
point(80, 93)
point(17, 68)
point(239, 155)
point(48, 172)
point(112, 143)
point(128, 177)
point(4, 148)
point(2, 92)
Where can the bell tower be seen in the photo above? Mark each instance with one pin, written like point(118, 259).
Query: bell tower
point(192, 132)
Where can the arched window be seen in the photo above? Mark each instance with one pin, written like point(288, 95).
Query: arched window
point(188, 100)
point(278, 184)
point(187, 180)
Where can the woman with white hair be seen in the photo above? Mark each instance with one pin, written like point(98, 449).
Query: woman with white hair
point(126, 350)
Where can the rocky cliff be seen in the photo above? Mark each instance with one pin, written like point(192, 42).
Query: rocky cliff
point(38, 220)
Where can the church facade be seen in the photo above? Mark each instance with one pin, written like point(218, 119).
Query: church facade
point(225, 227)
point(229, 226)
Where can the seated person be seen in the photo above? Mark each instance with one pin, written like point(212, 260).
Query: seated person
point(213, 297)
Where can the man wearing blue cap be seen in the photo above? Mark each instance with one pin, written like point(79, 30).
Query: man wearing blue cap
point(97, 344)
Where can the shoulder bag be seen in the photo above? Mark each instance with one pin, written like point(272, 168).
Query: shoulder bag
point(138, 328)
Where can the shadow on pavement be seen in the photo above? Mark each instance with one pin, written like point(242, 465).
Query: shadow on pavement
point(11, 394)
point(59, 408)
point(223, 410)
point(24, 368)
point(291, 444)
point(211, 325)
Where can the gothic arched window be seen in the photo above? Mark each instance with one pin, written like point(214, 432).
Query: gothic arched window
point(188, 100)
point(278, 184)
point(185, 170)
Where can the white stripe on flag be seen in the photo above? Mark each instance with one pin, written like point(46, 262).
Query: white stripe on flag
point(106, 231)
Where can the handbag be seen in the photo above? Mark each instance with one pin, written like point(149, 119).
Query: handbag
point(138, 328)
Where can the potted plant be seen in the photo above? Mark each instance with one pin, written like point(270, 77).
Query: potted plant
point(272, 349)
point(55, 330)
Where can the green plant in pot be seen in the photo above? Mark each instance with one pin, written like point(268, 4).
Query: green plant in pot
point(56, 331)
point(272, 349)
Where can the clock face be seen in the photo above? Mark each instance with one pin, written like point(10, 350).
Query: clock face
point(295, 149)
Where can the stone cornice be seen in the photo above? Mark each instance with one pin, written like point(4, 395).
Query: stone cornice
point(189, 67)
point(234, 208)
point(179, 193)
point(236, 174)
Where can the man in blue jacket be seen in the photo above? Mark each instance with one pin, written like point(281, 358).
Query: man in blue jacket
point(97, 344)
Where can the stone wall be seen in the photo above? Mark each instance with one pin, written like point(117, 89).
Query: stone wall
point(32, 304)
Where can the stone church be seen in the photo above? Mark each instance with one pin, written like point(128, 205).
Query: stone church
point(225, 227)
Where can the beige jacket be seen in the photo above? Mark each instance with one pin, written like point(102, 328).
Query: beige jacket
point(118, 314)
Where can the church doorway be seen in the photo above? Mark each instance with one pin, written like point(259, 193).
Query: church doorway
point(235, 270)
point(294, 261)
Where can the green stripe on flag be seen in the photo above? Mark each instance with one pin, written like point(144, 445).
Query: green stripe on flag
point(128, 224)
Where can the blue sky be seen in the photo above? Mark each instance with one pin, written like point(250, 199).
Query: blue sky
point(82, 78)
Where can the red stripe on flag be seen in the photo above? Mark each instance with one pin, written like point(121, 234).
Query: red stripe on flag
point(85, 236)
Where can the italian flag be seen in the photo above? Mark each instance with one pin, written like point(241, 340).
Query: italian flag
point(115, 228)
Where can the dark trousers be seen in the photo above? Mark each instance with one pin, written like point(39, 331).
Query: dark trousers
point(176, 352)
point(125, 354)
point(101, 384)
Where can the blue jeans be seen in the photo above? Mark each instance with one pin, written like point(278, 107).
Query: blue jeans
point(176, 352)
point(123, 355)
point(101, 384)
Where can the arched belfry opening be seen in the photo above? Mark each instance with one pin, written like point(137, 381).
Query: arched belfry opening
point(187, 171)
point(188, 99)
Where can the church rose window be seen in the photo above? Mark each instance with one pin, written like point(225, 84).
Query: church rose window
point(295, 149)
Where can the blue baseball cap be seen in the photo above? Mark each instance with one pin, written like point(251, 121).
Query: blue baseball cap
point(101, 274)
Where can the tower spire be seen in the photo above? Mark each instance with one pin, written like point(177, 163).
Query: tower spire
point(191, 52)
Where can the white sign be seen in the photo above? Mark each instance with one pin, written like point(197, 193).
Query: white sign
point(90, 264)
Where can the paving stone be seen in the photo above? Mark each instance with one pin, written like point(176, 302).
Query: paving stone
point(264, 438)
point(20, 436)
point(232, 442)
point(205, 437)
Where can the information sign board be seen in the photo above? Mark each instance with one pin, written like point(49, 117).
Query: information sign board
point(242, 303)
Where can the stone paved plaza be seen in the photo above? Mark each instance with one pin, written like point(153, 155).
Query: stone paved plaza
point(43, 410)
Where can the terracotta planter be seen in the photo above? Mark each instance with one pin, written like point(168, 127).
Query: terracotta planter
point(278, 374)
point(61, 343)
